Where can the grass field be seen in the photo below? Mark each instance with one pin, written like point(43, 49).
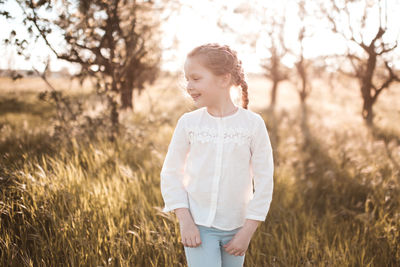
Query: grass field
point(336, 198)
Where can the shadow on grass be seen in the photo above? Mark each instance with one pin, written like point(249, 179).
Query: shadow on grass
point(389, 137)
point(325, 182)
point(15, 150)
point(332, 198)
point(15, 105)
point(322, 182)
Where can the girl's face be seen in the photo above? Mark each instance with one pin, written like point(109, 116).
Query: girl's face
point(204, 87)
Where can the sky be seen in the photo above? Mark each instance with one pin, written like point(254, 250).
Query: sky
point(197, 24)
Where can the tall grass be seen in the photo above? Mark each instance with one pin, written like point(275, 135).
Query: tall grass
point(336, 199)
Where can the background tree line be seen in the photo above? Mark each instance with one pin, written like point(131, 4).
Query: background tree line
point(116, 43)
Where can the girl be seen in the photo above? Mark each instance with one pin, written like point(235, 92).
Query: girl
point(215, 153)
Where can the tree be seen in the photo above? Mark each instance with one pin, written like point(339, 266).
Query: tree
point(270, 33)
point(302, 64)
point(367, 55)
point(115, 42)
point(272, 65)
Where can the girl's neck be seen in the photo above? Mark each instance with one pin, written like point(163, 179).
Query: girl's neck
point(223, 109)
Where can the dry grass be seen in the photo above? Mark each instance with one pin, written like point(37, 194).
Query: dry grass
point(336, 201)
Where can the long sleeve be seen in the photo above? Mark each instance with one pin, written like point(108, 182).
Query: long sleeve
point(172, 172)
point(262, 166)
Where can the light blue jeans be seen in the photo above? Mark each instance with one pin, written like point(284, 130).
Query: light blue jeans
point(211, 252)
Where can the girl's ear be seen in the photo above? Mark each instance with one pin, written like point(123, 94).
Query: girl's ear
point(226, 79)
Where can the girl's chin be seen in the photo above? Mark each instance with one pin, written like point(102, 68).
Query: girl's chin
point(197, 101)
point(198, 104)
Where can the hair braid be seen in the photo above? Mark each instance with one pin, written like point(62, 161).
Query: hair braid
point(221, 59)
point(245, 97)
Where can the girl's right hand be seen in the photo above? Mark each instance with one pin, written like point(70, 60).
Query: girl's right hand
point(190, 234)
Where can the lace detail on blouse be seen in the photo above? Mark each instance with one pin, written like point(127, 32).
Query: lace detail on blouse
point(204, 134)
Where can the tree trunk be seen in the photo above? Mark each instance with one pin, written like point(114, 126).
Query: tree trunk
point(126, 98)
point(367, 111)
point(273, 93)
point(366, 86)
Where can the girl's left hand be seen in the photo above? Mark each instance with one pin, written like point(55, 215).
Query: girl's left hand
point(239, 243)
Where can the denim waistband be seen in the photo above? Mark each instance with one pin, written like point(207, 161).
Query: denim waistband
point(211, 228)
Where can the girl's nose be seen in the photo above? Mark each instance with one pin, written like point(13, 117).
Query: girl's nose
point(189, 87)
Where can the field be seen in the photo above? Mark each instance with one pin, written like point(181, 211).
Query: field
point(90, 202)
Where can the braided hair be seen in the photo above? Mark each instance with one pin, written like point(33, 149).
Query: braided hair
point(221, 59)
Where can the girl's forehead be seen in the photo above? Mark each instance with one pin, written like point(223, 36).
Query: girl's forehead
point(193, 66)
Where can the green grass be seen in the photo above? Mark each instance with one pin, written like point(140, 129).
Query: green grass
point(336, 199)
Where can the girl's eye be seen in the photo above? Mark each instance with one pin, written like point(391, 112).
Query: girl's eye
point(195, 79)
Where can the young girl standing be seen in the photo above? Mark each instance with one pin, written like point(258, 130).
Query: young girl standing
point(215, 154)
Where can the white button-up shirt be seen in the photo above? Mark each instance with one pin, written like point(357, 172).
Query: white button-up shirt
point(211, 164)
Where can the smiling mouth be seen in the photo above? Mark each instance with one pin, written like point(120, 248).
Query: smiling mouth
point(195, 96)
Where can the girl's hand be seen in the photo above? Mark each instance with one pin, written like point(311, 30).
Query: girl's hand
point(190, 234)
point(239, 243)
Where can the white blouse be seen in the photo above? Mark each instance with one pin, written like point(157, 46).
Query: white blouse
point(210, 164)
